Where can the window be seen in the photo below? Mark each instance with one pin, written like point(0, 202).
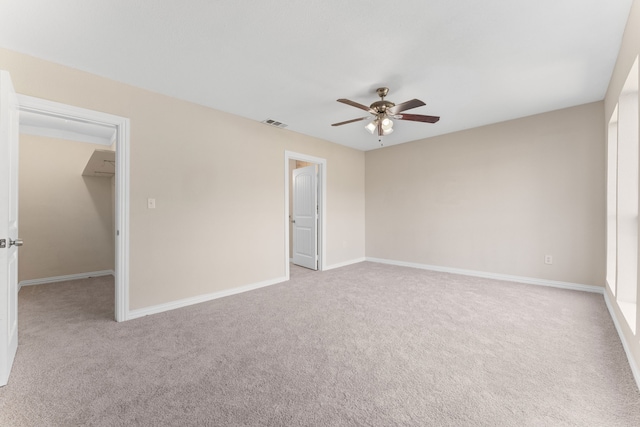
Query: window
point(627, 199)
point(612, 184)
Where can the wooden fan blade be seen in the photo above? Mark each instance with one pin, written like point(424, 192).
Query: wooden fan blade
point(419, 118)
point(355, 104)
point(413, 103)
point(351, 121)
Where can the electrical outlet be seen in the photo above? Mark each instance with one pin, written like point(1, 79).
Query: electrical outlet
point(548, 259)
point(151, 203)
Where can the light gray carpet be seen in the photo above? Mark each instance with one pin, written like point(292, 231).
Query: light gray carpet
point(364, 345)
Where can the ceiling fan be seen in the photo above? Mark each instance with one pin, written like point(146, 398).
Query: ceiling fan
point(383, 111)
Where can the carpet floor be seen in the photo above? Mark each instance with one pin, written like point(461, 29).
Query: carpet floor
point(363, 345)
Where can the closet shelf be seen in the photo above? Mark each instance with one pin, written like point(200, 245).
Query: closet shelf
point(101, 163)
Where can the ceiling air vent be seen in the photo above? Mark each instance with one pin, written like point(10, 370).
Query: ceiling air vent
point(274, 123)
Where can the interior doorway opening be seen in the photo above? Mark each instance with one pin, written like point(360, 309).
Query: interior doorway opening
point(52, 119)
point(299, 161)
point(66, 208)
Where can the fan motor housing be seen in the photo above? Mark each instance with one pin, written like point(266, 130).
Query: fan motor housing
point(382, 106)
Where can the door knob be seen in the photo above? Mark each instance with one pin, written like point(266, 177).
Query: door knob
point(17, 242)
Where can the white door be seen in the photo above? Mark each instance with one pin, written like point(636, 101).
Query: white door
point(8, 226)
point(305, 217)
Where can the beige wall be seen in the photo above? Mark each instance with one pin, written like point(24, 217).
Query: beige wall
point(65, 218)
point(629, 50)
point(496, 199)
point(218, 181)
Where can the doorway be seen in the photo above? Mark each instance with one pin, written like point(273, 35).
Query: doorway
point(66, 208)
point(54, 119)
point(321, 164)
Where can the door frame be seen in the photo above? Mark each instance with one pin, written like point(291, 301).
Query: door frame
point(122, 126)
point(322, 206)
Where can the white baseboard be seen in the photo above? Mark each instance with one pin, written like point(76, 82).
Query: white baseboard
point(141, 312)
point(632, 363)
point(64, 278)
point(486, 275)
point(344, 264)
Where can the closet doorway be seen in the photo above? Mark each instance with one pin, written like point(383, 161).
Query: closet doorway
point(42, 118)
point(305, 211)
point(66, 209)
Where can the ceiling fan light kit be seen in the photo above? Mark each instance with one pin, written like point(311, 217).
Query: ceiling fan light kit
point(371, 127)
point(383, 111)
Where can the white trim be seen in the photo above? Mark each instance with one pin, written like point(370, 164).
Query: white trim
point(628, 310)
point(155, 309)
point(61, 134)
point(57, 109)
point(322, 202)
point(506, 277)
point(122, 126)
point(346, 263)
point(44, 280)
point(122, 221)
point(632, 364)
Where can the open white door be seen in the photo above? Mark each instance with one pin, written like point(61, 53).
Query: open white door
point(9, 241)
point(305, 217)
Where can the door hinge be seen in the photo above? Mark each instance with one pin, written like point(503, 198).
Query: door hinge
point(3, 243)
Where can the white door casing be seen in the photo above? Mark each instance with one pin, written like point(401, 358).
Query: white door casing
point(9, 125)
point(305, 217)
point(121, 124)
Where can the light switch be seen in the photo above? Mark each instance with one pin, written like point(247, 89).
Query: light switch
point(151, 203)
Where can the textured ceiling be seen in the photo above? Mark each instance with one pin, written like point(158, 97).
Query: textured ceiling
point(472, 62)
